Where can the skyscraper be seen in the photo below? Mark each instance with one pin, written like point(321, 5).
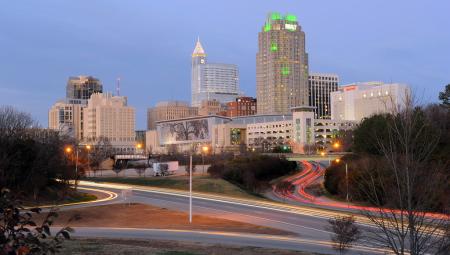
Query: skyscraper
point(320, 87)
point(67, 115)
point(212, 81)
point(281, 66)
point(80, 88)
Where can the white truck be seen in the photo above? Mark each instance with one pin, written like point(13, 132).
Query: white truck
point(165, 168)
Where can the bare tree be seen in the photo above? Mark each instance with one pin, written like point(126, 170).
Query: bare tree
point(101, 151)
point(31, 158)
point(403, 187)
point(345, 232)
point(14, 123)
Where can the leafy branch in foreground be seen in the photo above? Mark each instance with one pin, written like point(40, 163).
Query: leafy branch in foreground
point(20, 234)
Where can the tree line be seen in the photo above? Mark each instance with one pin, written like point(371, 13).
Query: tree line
point(32, 160)
point(400, 166)
point(253, 172)
point(416, 142)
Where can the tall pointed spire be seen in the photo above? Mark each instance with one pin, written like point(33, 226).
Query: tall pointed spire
point(198, 51)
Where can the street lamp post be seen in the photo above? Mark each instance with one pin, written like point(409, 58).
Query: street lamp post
point(346, 181)
point(76, 167)
point(190, 188)
point(204, 151)
point(88, 148)
point(68, 149)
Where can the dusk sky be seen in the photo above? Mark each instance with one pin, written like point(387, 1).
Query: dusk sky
point(149, 43)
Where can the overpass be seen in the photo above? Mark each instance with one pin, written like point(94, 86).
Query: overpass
point(311, 157)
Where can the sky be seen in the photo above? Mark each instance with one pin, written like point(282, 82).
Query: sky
point(148, 44)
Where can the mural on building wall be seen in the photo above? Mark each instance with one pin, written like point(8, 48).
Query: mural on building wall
point(178, 132)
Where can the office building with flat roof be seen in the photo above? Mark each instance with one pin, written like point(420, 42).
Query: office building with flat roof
point(110, 118)
point(169, 110)
point(360, 100)
point(320, 87)
point(81, 88)
point(242, 106)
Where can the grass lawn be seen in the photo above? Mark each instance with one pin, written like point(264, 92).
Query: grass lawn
point(72, 197)
point(143, 216)
point(199, 184)
point(98, 246)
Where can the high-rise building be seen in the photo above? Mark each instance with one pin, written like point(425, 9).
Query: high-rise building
point(242, 106)
point(320, 87)
point(80, 88)
point(67, 118)
point(109, 117)
point(281, 65)
point(361, 100)
point(66, 115)
point(212, 81)
point(169, 110)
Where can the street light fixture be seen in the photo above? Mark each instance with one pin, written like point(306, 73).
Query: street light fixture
point(336, 145)
point(322, 153)
point(88, 148)
point(204, 151)
point(346, 179)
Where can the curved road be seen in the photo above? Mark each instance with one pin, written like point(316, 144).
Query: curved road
point(308, 223)
point(313, 173)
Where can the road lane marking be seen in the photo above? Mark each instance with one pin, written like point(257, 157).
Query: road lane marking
point(252, 216)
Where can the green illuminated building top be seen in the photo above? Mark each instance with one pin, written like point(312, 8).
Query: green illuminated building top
point(290, 18)
point(287, 22)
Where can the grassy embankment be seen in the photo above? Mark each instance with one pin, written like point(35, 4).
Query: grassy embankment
point(204, 184)
point(52, 199)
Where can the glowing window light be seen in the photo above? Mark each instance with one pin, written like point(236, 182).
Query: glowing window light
point(273, 47)
point(285, 70)
point(290, 27)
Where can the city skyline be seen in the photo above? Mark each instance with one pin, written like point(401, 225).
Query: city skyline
point(47, 46)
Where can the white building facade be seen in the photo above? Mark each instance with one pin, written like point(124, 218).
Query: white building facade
point(67, 118)
point(357, 101)
point(257, 132)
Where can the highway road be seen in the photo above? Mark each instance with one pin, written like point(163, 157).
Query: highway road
point(308, 223)
point(211, 237)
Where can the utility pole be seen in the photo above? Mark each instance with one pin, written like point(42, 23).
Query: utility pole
point(346, 181)
point(76, 167)
point(190, 189)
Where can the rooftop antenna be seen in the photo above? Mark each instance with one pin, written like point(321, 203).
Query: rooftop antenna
point(118, 87)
